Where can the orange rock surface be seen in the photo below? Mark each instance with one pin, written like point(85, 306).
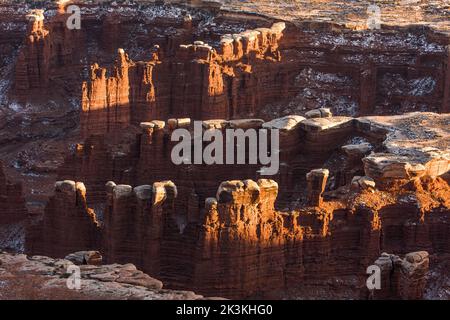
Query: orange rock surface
point(364, 144)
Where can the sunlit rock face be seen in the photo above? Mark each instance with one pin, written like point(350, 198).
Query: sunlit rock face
point(67, 207)
point(86, 119)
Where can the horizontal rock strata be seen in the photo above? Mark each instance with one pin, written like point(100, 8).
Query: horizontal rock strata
point(402, 278)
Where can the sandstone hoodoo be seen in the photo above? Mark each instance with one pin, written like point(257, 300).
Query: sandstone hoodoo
point(403, 278)
point(12, 203)
point(67, 207)
point(140, 137)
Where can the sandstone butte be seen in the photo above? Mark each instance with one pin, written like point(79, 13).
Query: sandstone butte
point(364, 128)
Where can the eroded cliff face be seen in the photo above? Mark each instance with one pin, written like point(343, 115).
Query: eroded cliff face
point(274, 68)
point(403, 278)
point(197, 81)
point(66, 207)
point(244, 247)
point(202, 64)
point(12, 203)
point(350, 186)
point(359, 204)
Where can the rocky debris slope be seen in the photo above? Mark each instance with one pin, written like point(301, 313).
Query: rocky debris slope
point(44, 278)
point(12, 236)
point(439, 279)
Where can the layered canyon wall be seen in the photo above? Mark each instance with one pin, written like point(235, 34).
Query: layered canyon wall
point(403, 278)
point(46, 279)
point(184, 69)
point(347, 189)
point(187, 236)
point(144, 155)
point(263, 66)
point(197, 82)
point(67, 207)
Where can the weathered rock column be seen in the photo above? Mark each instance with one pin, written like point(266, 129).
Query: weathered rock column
point(240, 230)
point(316, 179)
point(154, 221)
point(12, 203)
point(120, 225)
point(402, 278)
point(412, 275)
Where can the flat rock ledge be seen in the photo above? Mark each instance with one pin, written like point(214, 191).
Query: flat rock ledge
point(40, 277)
